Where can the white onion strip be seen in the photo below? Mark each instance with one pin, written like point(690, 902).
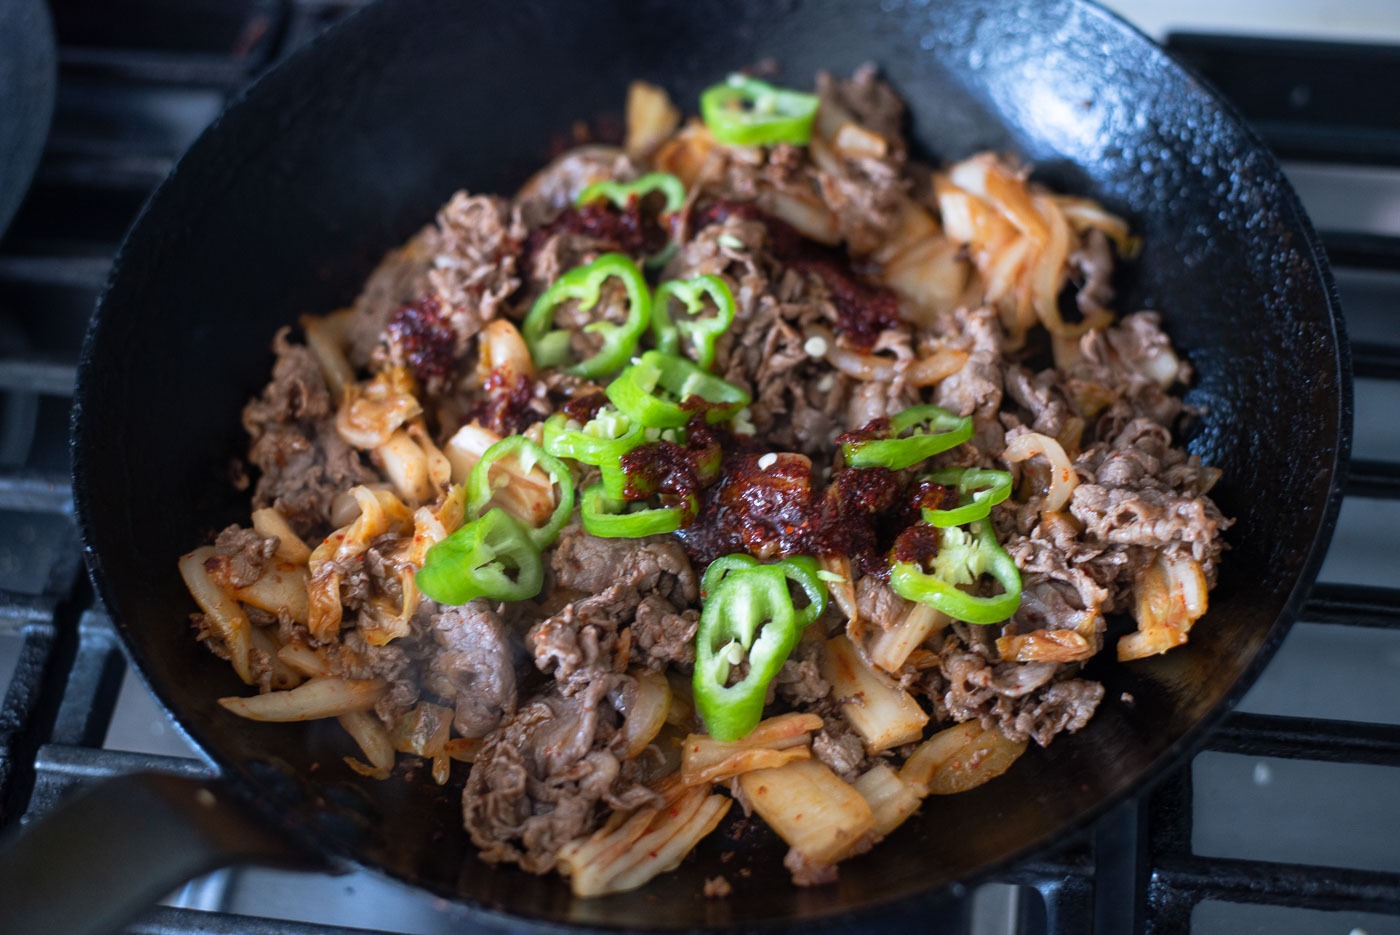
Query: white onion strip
point(1063, 479)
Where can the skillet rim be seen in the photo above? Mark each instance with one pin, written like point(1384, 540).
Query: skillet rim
point(308, 838)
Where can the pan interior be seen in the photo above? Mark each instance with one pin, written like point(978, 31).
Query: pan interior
point(284, 206)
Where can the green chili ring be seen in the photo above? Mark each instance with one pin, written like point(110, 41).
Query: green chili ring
point(601, 518)
point(962, 559)
point(635, 392)
point(550, 347)
point(702, 333)
point(944, 431)
point(475, 561)
point(480, 489)
point(978, 491)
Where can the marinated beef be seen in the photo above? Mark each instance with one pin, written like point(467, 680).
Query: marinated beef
point(542, 775)
point(247, 555)
point(663, 636)
point(476, 660)
point(654, 565)
point(304, 463)
point(400, 277)
point(840, 748)
point(1018, 699)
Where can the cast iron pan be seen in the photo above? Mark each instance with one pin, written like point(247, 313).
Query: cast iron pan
point(284, 205)
point(28, 79)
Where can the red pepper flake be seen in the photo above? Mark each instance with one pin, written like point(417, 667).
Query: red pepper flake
point(583, 408)
point(863, 309)
point(426, 338)
point(916, 544)
point(626, 229)
point(505, 407)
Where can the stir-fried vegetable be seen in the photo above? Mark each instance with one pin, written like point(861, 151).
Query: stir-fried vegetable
point(620, 193)
point(489, 557)
point(611, 518)
point(931, 429)
point(551, 346)
point(658, 391)
point(744, 111)
point(698, 333)
point(978, 491)
point(748, 617)
point(962, 559)
point(481, 487)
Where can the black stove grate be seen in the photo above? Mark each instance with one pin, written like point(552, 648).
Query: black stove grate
point(127, 108)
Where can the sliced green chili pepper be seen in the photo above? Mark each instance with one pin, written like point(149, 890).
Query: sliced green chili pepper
point(801, 570)
point(480, 488)
point(610, 518)
point(744, 111)
point(549, 346)
point(935, 429)
point(748, 616)
point(619, 193)
point(963, 557)
point(601, 441)
point(489, 557)
point(635, 392)
point(978, 491)
point(700, 333)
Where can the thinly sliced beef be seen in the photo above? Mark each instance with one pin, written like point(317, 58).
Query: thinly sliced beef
point(840, 748)
point(247, 552)
point(663, 636)
point(399, 278)
point(304, 463)
point(477, 661)
point(656, 564)
point(1019, 699)
point(474, 272)
point(580, 639)
point(542, 775)
point(800, 682)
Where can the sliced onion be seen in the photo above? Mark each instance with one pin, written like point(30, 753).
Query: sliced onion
point(804, 212)
point(924, 371)
point(648, 712)
point(1063, 478)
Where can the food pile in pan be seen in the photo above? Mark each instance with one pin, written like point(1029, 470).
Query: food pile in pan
point(751, 464)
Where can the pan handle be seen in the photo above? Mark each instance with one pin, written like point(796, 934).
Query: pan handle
point(114, 849)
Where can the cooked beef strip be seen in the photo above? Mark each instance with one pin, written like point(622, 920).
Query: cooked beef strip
point(304, 461)
point(474, 271)
point(840, 748)
point(1012, 697)
point(541, 776)
point(581, 638)
point(663, 636)
point(800, 682)
point(399, 278)
point(247, 552)
point(477, 661)
point(1094, 264)
point(877, 604)
point(656, 564)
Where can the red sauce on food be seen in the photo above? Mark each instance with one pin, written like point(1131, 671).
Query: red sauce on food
point(863, 309)
point(629, 229)
point(427, 339)
point(583, 408)
point(505, 407)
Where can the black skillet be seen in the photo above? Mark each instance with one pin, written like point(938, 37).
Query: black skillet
point(283, 206)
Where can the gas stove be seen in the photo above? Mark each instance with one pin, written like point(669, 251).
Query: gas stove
point(1285, 823)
